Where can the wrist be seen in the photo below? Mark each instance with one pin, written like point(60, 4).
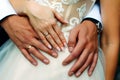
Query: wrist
point(96, 22)
point(90, 26)
point(7, 20)
point(18, 5)
point(6, 17)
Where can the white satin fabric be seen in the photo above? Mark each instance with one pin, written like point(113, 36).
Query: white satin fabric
point(14, 66)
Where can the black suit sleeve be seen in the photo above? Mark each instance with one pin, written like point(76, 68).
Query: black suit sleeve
point(3, 36)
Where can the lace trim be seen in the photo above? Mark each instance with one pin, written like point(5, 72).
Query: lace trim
point(68, 9)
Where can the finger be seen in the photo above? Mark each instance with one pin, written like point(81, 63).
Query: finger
point(42, 47)
point(59, 17)
point(47, 30)
point(76, 52)
point(43, 39)
point(29, 57)
point(72, 39)
point(38, 55)
point(60, 34)
point(86, 64)
point(93, 65)
point(53, 43)
point(83, 57)
point(55, 37)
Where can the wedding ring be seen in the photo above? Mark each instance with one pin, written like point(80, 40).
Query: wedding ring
point(29, 47)
point(46, 34)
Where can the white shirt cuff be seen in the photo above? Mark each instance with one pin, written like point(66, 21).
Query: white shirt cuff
point(95, 13)
point(6, 9)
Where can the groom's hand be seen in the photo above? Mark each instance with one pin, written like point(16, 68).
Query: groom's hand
point(83, 45)
point(44, 21)
point(22, 34)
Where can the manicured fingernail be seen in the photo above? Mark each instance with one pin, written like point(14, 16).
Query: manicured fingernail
point(54, 54)
point(49, 46)
point(58, 48)
point(65, 44)
point(71, 73)
point(66, 21)
point(62, 48)
point(46, 61)
point(70, 49)
point(78, 73)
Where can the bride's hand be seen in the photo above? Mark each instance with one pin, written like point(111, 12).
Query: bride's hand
point(83, 45)
point(22, 34)
point(44, 21)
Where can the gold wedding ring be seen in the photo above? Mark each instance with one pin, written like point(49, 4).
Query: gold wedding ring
point(46, 34)
point(29, 47)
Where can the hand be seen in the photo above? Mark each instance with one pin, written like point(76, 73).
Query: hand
point(83, 45)
point(22, 34)
point(44, 23)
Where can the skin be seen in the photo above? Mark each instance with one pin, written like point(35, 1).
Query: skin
point(22, 34)
point(83, 47)
point(82, 44)
point(111, 35)
point(42, 22)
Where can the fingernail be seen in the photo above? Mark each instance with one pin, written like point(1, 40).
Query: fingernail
point(62, 48)
point(49, 46)
point(65, 44)
point(54, 54)
point(78, 73)
point(34, 63)
point(66, 21)
point(64, 63)
point(71, 73)
point(90, 73)
point(58, 48)
point(70, 49)
point(46, 61)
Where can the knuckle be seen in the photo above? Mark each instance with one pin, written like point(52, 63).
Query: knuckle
point(49, 37)
point(30, 39)
point(53, 22)
point(60, 44)
point(84, 41)
point(93, 66)
point(91, 47)
point(71, 43)
point(55, 36)
point(58, 40)
point(29, 58)
point(60, 33)
point(73, 55)
point(42, 37)
point(25, 39)
point(44, 42)
point(31, 50)
point(46, 25)
point(49, 51)
point(85, 66)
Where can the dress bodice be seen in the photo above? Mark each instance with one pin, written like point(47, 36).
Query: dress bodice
point(72, 10)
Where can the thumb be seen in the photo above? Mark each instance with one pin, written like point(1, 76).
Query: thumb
point(72, 39)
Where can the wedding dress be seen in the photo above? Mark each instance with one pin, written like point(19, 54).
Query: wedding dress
point(14, 66)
